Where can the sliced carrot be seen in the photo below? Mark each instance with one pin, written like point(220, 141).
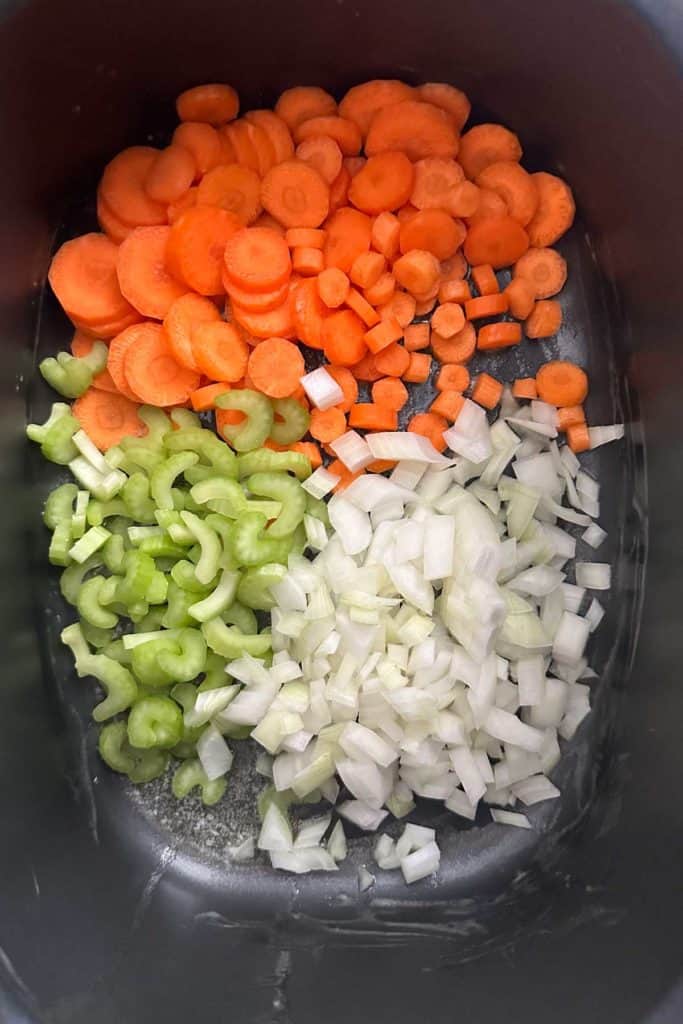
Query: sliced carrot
point(367, 269)
point(171, 174)
point(578, 438)
point(434, 231)
point(392, 361)
point(450, 99)
point(466, 200)
point(303, 102)
point(419, 368)
point(436, 179)
point(152, 372)
point(570, 416)
point(489, 204)
point(242, 142)
point(354, 164)
point(186, 202)
point(544, 269)
point(234, 188)
point(385, 235)
point(204, 398)
point(453, 269)
point(307, 261)
point(348, 235)
point(520, 295)
point(114, 228)
point(487, 144)
point(369, 416)
point(276, 367)
point(383, 334)
point(107, 418)
point(453, 377)
point(555, 211)
point(401, 307)
point(186, 314)
point(417, 270)
point(328, 424)
point(196, 245)
point(347, 382)
point(406, 213)
point(390, 393)
point(562, 383)
point(277, 131)
point(339, 191)
point(499, 241)
point(309, 312)
point(384, 183)
point(448, 404)
point(365, 369)
point(81, 345)
point(345, 133)
point(380, 465)
point(485, 280)
point(345, 475)
point(266, 156)
point(501, 335)
point(214, 103)
point(343, 336)
point(454, 291)
point(204, 143)
point(545, 319)
point(486, 305)
point(118, 348)
point(219, 351)
point(322, 153)
point(417, 129)
point(382, 290)
point(525, 387)
point(449, 319)
point(333, 287)
point(362, 102)
point(423, 307)
point(431, 426)
point(459, 349)
point(257, 259)
point(276, 323)
point(295, 194)
point(310, 450)
point(416, 337)
point(514, 185)
point(123, 187)
point(83, 277)
point(110, 329)
point(227, 154)
point(311, 238)
point(143, 273)
point(362, 308)
point(487, 391)
point(256, 302)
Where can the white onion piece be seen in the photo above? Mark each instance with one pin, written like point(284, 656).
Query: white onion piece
point(470, 436)
point(573, 596)
point(510, 818)
point(570, 638)
point(370, 491)
point(276, 832)
point(531, 426)
point(352, 450)
point(322, 388)
point(404, 446)
point(359, 742)
point(243, 851)
point(468, 773)
point(593, 575)
point(534, 789)
point(351, 524)
point(361, 814)
point(460, 804)
point(421, 863)
point(214, 753)
point(311, 831)
point(300, 862)
point(407, 473)
point(320, 482)
point(604, 435)
point(439, 545)
point(385, 853)
point(366, 880)
point(531, 680)
point(542, 412)
point(336, 844)
point(506, 727)
point(595, 614)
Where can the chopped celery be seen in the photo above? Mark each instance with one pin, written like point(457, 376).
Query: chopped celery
point(254, 587)
point(136, 497)
point(204, 443)
point(184, 575)
point(223, 489)
point(161, 547)
point(113, 552)
point(210, 544)
point(71, 580)
point(252, 547)
point(89, 543)
point(155, 722)
point(267, 461)
point(59, 505)
point(164, 475)
point(79, 519)
point(138, 765)
point(241, 616)
point(179, 601)
point(98, 511)
point(37, 432)
point(285, 489)
point(189, 775)
point(187, 662)
point(58, 553)
point(220, 599)
point(55, 436)
point(71, 376)
point(292, 423)
point(89, 607)
point(144, 662)
point(96, 637)
point(139, 573)
point(317, 508)
point(185, 420)
point(229, 642)
point(215, 675)
point(244, 437)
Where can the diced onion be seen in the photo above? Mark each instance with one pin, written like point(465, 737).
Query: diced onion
point(322, 388)
point(510, 818)
point(320, 482)
point(214, 753)
point(593, 575)
point(353, 451)
point(404, 445)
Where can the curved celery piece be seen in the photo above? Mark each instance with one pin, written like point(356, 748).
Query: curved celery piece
point(71, 376)
point(230, 643)
point(139, 573)
point(117, 681)
point(164, 475)
point(214, 452)
point(183, 574)
point(58, 445)
point(89, 607)
point(96, 637)
point(293, 422)
point(145, 662)
point(286, 490)
point(267, 461)
point(299, 540)
point(225, 528)
point(242, 617)
point(210, 544)
point(71, 580)
point(113, 553)
point(118, 652)
point(184, 694)
point(220, 599)
point(158, 589)
point(143, 457)
point(37, 432)
point(254, 588)
point(155, 722)
point(137, 611)
point(184, 419)
point(98, 511)
point(176, 615)
point(244, 437)
point(59, 505)
point(136, 497)
point(117, 753)
point(60, 545)
point(318, 508)
point(153, 620)
point(158, 425)
point(189, 775)
point(214, 673)
point(169, 519)
point(191, 659)
point(161, 547)
point(251, 547)
point(223, 489)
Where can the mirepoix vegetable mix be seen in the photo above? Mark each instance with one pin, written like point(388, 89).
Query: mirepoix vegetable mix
point(389, 607)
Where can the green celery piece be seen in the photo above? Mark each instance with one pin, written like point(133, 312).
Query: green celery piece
point(318, 508)
point(96, 637)
point(155, 722)
point(116, 752)
point(118, 652)
point(254, 587)
point(139, 573)
point(161, 547)
point(258, 410)
point(286, 490)
point(185, 420)
point(158, 589)
point(190, 775)
point(66, 374)
point(59, 506)
point(210, 544)
point(189, 662)
point(215, 453)
point(239, 615)
point(230, 643)
point(214, 673)
point(267, 461)
point(58, 445)
point(220, 599)
point(113, 553)
point(145, 665)
point(136, 497)
point(37, 432)
point(117, 681)
point(183, 575)
point(89, 606)
point(293, 422)
point(252, 547)
point(71, 580)
point(98, 511)
point(223, 489)
point(153, 620)
point(60, 545)
point(95, 538)
point(163, 477)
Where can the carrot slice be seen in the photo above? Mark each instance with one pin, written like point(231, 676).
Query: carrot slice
point(277, 131)
point(264, 220)
point(416, 337)
point(322, 153)
point(234, 188)
point(453, 377)
point(434, 231)
point(499, 241)
point(555, 211)
point(204, 143)
point(295, 194)
point(562, 383)
point(122, 187)
point(214, 103)
point(118, 349)
point(392, 361)
point(419, 368)
point(276, 323)
point(450, 99)
point(436, 179)
point(311, 238)
point(361, 102)
point(333, 287)
point(385, 235)
point(365, 369)
point(449, 319)
point(348, 235)
point(381, 291)
point(431, 426)
point(354, 164)
point(383, 335)
point(448, 404)
point(264, 149)
point(390, 393)
point(417, 270)
point(310, 450)
point(152, 372)
point(489, 204)
point(110, 329)
point(309, 312)
point(84, 279)
point(344, 133)
point(487, 144)
point(302, 103)
point(338, 468)
point(514, 185)
point(339, 190)
point(219, 351)
point(196, 245)
point(485, 280)
point(183, 317)
point(459, 349)
point(487, 391)
point(171, 174)
point(114, 228)
point(204, 398)
point(525, 387)
point(486, 305)
point(545, 319)
point(466, 200)
point(81, 345)
point(384, 183)
point(578, 438)
point(367, 269)
point(454, 291)
point(544, 269)
point(343, 337)
point(520, 295)
point(347, 382)
point(143, 275)
point(257, 259)
point(362, 308)
point(401, 307)
point(501, 335)
point(243, 146)
point(186, 202)
point(307, 261)
point(453, 269)
point(569, 416)
point(256, 302)
point(327, 424)
point(369, 416)
point(417, 129)
point(107, 418)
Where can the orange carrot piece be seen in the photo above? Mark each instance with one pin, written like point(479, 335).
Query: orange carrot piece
point(436, 179)
point(143, 274)
point(401, 307)
point(183, 317)
point(234, 188)
point(487, 391)
point(417, 129)
point(347, 382)
point(276, 323)
point(215, 104)
point(485, 280)
point(81, 345)
point(380, 465)
point(338, 468)
point(186, 202)
point(448, 98)
point(196, 244)
point(295, 194)
point(570, 416)
point(333, 287)
point(310, 450)
point(307, 261)
point(171, 175)
point(276, 367)
point(303, 102)
point(365, 369)
point(118, 348)
point(555, 211)
point(390, 393)
point(449, 319)
point(520, 295)
point(152, 372)
point(453, 377)
point(466, 200)
point(383, 334)
point(266, 155)
point(578, 438)
point(345, 133)
point(114, 228)
point(310, 238)
point(367, 269)
point(241, 141)
point(83, 276)
point(384, 183)
point(514, 185)
point(368, 416)
point(459, 349)
point(434, 231)
point(362, 308)
point(386, 232)
point(486, 305)
point(327, 424)
point(484, 145)
point(361, 102)
point(322, 153)
point(500, 335)
point(544, 269)
point(448, 404)
point(562, 383)
point(419, 368)
point(277, 131)
point(382, 290)
point(431, 426)
point(339, 191)
point(107, 417)
point(309, 312)
point(204, 398)
point(423, 307)
point(417, 271)
point(348, 235)
point(220, 351)
point(525, 387)
point(499, 241)
point(393, 360)
point(203, 142)
point(454, 291)
point(257, 259)
point(544, 320)
point(416, 337)
point(343, 337)
point(453, 269)
point(255, 302)
point(489, 204)
point(122, 187)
